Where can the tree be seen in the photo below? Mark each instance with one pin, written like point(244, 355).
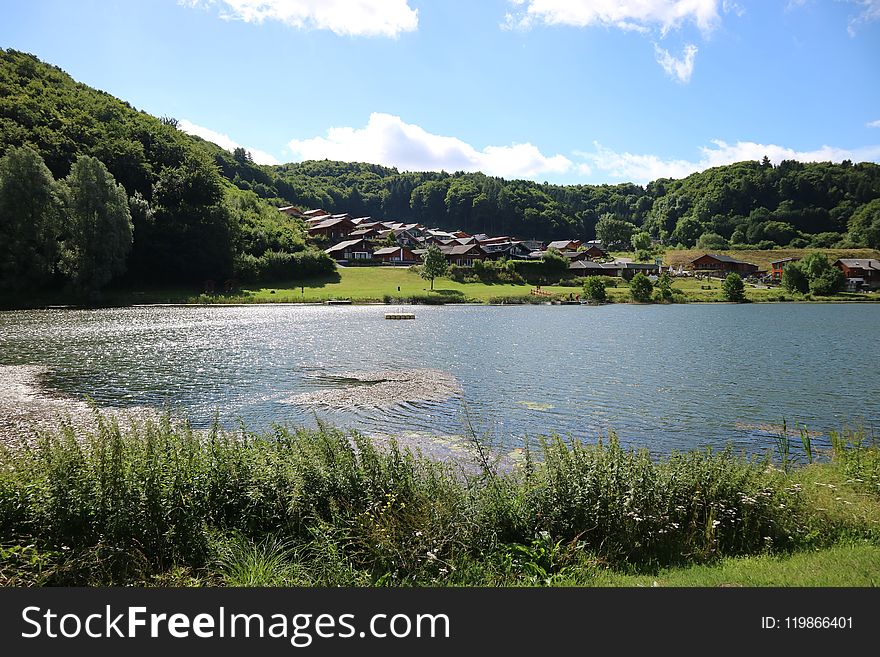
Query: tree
point(687, 231)
point(99, 227)
point(29, 219)
point(712, 242)
point(641, 288)
point(864, 225)
point(641, 241)
point(434, 264)
point(663, 288)
point(613, 232)
point(828, 283)
point(594, 288)
point(555, 262)
point(733, 288)
point(794, 279)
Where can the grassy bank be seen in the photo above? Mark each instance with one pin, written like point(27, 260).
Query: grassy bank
point(159, 504)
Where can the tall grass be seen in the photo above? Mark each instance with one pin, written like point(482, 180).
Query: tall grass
point(325, 507)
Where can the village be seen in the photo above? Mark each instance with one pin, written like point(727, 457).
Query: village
point(362, 241)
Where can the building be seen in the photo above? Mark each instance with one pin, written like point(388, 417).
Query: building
point(511, 249)
point(777, 266)
point(867, 269)
point(313, 214)
point(590, 268)
point(351, 250)
point(332, 228)
point(626, 270)
point(396, 255)
point(722, 264)
point(292, 211)
point(565, 245)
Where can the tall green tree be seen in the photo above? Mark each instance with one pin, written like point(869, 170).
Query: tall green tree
point(594, 288)
point(641, 241)
point(733, 288)
point(614, 233)
point(641, 288)
point(30, 209)
point(98, 230)
point(434, 264)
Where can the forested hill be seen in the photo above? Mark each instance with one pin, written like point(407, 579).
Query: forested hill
point(744, 203)
point(200, 212)
point(92, 189)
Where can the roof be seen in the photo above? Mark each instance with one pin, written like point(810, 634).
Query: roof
point(860, 263)
point(390, 250)
point(722, 258)
point(461, 249)
point(342, 246)
point(315, 213)
point(587, 264)
point(562, 244)
point(781, 260)
point(329, 223)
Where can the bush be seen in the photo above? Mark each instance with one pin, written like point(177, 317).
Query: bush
point(641, 288)
point(663, 289)
point(594, 288)
point(282, 265)
point(828, 283)
point(733, 288)
point(794, 279)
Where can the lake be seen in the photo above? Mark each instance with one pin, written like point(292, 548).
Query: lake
point(663, 377)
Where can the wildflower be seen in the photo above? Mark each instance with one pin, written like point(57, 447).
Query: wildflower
point(715, 523)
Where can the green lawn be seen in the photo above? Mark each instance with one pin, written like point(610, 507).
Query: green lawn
point(841, 565)
point(374, 283)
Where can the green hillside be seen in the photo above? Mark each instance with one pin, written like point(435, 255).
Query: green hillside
point(189, 223)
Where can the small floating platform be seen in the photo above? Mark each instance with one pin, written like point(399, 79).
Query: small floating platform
point(338, 302)
point(400, 315)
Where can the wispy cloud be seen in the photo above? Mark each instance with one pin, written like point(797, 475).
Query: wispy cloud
point(225, 141)
point(388, 140)
point(386, 18)
point(873, 124)
point(650, 17)
point(640, 15)
point(869, 12)
point(643, 168)
point(680, 69)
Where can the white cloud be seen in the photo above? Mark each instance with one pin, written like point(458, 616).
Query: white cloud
point(873, 124)
point(386, 18)
point(387, 140)
point(679, 69)
point(225, 141)
point(644, 168)
point(870, 12)
point(640, 15)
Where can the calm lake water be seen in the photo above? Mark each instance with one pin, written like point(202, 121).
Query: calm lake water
point(663, 377)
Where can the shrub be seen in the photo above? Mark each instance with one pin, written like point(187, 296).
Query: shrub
point(641, 288)
point(794, 279)
point(594, 288)
point(733, 288)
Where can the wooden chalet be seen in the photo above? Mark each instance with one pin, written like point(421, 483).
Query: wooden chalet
point(565, 245)
point(866, 271)
point(292, 211)
point(332, 228)
point(712, 262)
point(396, 255)
point(358, 249)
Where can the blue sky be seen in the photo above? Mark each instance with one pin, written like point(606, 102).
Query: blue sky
point(568, 91)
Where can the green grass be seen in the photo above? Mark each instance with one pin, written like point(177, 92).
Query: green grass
point(376, 283)
point(840, 565)
point(159, 504)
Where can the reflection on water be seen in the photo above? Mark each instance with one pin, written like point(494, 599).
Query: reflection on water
point(663, 377)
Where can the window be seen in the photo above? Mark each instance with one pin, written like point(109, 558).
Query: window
point(361, 255)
